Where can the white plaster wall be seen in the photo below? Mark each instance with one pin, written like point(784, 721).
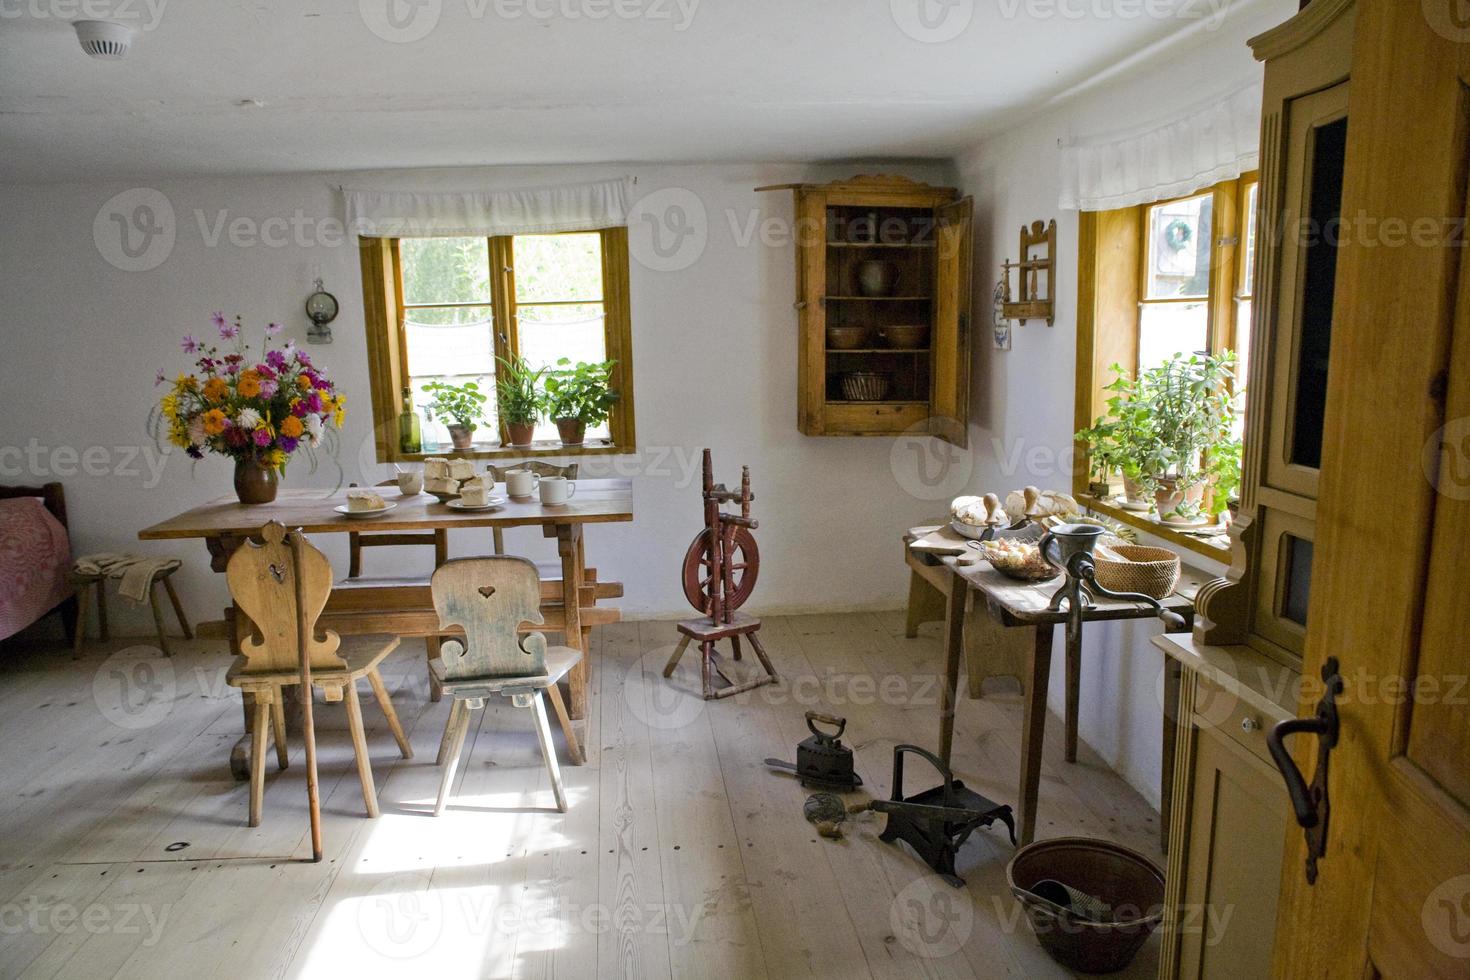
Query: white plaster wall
point(714, 363)
point(1022, 400)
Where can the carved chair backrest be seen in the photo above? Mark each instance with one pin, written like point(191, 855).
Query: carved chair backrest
point(262, 581)
point(489, 598)
point(568, 470)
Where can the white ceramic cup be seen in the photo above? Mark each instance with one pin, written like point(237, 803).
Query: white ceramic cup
point(410, 482)
point(556, 490)
point(521, 483)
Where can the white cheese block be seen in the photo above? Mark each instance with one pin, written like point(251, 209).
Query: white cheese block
point(364, 500)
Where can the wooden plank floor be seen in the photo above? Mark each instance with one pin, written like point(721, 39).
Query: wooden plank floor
point(124, 850)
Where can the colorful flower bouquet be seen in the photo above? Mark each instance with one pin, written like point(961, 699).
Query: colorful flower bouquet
point(257, 413)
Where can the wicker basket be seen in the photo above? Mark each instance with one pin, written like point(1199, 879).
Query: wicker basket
point(864, 386)
point(1151, 571)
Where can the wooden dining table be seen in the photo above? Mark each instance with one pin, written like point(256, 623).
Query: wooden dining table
point(403, 606)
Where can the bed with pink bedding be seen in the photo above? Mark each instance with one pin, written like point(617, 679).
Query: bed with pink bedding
point(35, 555)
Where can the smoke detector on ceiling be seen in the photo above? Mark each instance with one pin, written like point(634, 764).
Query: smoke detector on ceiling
point(104, 39)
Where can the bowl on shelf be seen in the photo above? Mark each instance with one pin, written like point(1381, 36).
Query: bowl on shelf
point(846, 338)
point(865, 386)
point(905, 336)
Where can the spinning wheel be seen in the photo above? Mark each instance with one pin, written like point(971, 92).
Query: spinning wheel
point(743, 565)
point(719, 573)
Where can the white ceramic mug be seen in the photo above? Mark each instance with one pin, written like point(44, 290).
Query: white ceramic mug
point(410, 482)
point(557, 490)
point(521, 483)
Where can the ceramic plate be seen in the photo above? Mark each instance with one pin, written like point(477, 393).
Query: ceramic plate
point(494, 502)
point(342, 509)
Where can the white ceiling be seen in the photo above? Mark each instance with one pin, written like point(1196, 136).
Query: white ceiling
point(273, 86)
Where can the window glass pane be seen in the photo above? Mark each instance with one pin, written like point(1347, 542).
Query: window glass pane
point(445, 270)
point(1179, 236)
point(558, 268)
point(1298, 589)
point(1248, 279)
point(549, 333)
point(452, 345)
point(1166, 329)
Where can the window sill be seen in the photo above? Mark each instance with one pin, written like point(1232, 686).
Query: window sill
point(494, 450)
point(1151, 524)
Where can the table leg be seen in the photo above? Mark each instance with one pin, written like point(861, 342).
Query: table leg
point(925, 604)
point(1074, 676)
point(569, 547)
point(1173, 678)
point(954, 648)
point(1033, 730)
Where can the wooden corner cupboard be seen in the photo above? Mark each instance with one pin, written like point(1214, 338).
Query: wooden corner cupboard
point(883, 271)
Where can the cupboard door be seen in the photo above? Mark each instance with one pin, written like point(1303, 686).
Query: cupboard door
point(1237, 836)
point(811, 218)
point(949, 403)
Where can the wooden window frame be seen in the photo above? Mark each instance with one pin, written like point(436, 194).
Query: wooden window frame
point(383, 309)
point(1112, 253)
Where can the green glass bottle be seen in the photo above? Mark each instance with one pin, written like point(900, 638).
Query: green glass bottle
point(410, 434)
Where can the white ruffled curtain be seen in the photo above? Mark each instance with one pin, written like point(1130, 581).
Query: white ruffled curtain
point(1217, 140)
point(530, 211)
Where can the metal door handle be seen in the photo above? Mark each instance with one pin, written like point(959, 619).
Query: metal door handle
point(1310, 803)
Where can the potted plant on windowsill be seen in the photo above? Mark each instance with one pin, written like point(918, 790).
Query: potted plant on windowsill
point(1123, 441)
point(1191, 407)
point(577, 396)
point(518, 399)
point(459, 407)
point(1169, 433)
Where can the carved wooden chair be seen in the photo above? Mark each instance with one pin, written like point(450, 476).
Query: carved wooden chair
point(437, 539)
point(262, 581)
point(490, 598)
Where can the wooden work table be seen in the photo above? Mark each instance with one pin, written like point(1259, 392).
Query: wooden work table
point(403, 606)
point(939, 583)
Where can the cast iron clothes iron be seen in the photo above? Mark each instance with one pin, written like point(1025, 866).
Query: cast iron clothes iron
point(936, 822)
point(823, 760)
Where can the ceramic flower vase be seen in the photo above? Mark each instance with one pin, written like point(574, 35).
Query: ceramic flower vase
point(255, 483)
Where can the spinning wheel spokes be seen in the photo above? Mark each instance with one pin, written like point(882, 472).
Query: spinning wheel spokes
point(743, 567)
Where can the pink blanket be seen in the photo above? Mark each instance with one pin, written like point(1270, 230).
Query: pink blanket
point(34, 557)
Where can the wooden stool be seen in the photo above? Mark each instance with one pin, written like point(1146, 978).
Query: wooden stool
point(708, 634)
point(82, 581)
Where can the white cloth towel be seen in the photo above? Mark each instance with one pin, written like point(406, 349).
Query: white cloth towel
point(136, 572)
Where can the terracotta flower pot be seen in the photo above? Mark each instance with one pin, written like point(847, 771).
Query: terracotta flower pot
point(255, 483)
point(520, 434)
point(572, 431)
point(1134, 497)
point(461, 435)
point(1167, 497)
